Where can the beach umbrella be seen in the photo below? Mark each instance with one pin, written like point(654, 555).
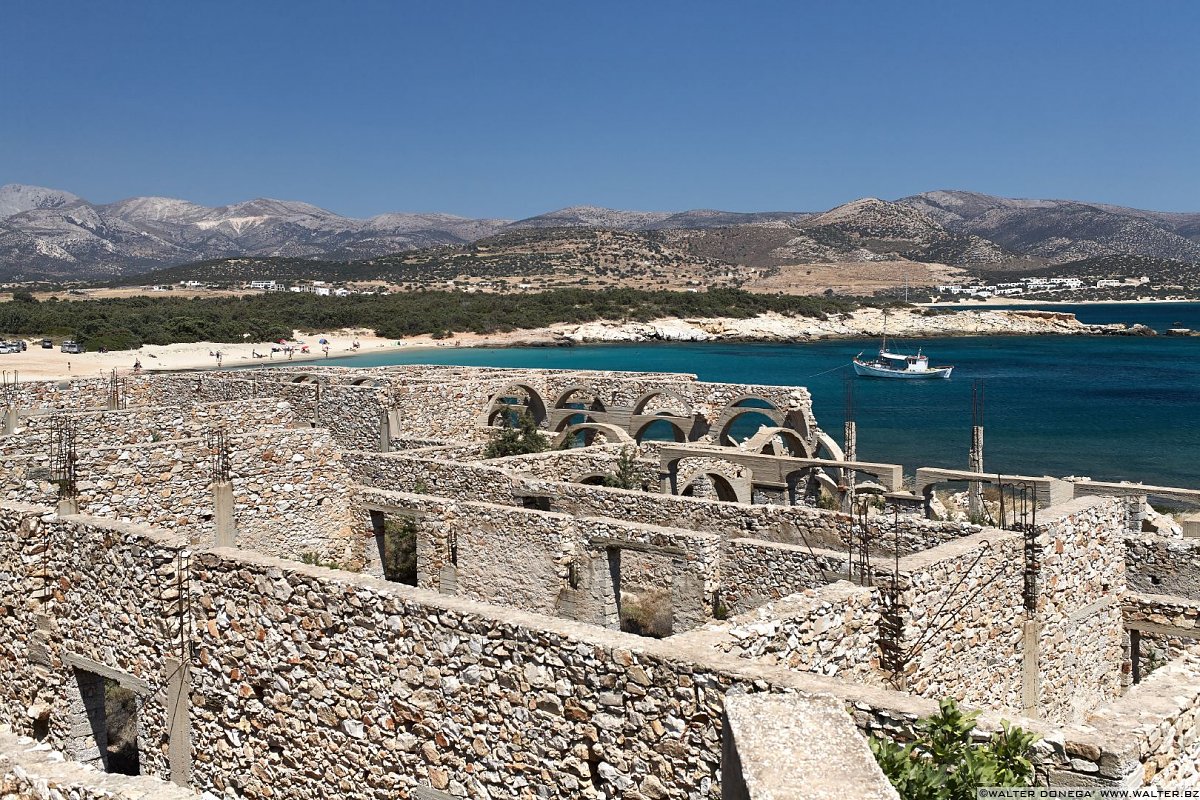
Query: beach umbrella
point(322, 341)
point(283, 341)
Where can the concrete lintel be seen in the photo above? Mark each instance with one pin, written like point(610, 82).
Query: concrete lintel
point(603, 543)
point(1091, 608)
point(1175, 631)
point(134, 684)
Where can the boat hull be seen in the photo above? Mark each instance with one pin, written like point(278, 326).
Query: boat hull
point(867, 370)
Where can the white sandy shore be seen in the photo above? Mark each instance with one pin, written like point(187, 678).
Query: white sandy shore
point(39, 364)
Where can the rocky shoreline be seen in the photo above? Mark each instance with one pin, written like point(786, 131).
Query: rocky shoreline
point(863, 323)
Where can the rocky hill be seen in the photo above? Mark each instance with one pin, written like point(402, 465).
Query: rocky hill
point(45, 233)
point(530, 258)
point(1061, 231)
point(864, 230)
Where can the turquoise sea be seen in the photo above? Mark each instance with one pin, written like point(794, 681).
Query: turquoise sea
point(1108, 407)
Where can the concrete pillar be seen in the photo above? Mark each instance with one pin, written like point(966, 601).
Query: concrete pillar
point(10, 421)
point(689, 606)
point(1126, 661)
point(226, 530)
point(68, 506)
point(975, 463)
point(385, 431)
point(179, 732)
point(848, 475)
point(1135, 513)
point(1030, 667)
point(611, 589)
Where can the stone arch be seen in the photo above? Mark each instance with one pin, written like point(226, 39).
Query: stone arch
point(832, 450)
point(682, 472)
point(596, 404)
point(680, 433)
point(807, 483)
point(580, 418)
point(732, 415)
point(533, 403)
point(366, 382)
point(795, 444)
point(592, 479)
point(684, 409)
point(612, 433)
point(722, 487)
point(304, 377)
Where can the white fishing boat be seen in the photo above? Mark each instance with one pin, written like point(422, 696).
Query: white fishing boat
point(897, 365)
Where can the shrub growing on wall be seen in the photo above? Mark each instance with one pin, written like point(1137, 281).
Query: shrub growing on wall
point(518, 439)
point(943, 762)
point(625, 476)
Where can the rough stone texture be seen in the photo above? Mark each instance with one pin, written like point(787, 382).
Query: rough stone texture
point(308, 682)
point(1163, 565)
point(828, 759)
point(831, 631)
point(754, 572)
point(1081, 582)
point(292, 495)
point(579, 464)
point(31, 771)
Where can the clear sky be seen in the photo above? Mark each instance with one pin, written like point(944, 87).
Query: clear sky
point(510, 109)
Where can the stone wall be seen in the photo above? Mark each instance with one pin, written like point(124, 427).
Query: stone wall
point(968, 632)
point(754, 572)
point(831, 631)
point(799, 525)
point(962, 615)
point(1080, 585)
point(292, 495)
point(81, 592)
point(524, 558)
point(403, 687)
point(577, 464)
point(147, 425)
point(1163, 565)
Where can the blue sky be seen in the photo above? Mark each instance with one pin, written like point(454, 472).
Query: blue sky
point(511, 109)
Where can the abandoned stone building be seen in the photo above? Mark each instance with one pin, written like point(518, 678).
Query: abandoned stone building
point(311, 583)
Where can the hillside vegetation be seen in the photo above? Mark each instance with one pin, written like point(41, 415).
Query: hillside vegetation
point(122, 323)
point(544, 257)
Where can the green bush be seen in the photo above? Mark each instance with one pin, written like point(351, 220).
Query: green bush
point(520, 439)
point(400, 551)
point(626, 475)
point(943, 762)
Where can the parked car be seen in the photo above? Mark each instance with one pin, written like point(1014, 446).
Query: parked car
point(23, 345)
point(72, 347)
point(5, 347)
point(47, 344)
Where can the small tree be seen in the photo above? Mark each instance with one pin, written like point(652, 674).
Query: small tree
point(944, 763)
point(626, 475)
point(520, 439)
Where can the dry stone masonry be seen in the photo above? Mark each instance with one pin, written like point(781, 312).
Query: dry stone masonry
point(215, 547)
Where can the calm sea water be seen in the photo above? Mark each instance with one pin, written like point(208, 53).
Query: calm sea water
point(1109, 407)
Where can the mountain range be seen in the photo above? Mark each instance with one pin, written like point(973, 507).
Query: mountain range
point(52, 234)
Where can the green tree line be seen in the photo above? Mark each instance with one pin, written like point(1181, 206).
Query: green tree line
point(124, 323)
